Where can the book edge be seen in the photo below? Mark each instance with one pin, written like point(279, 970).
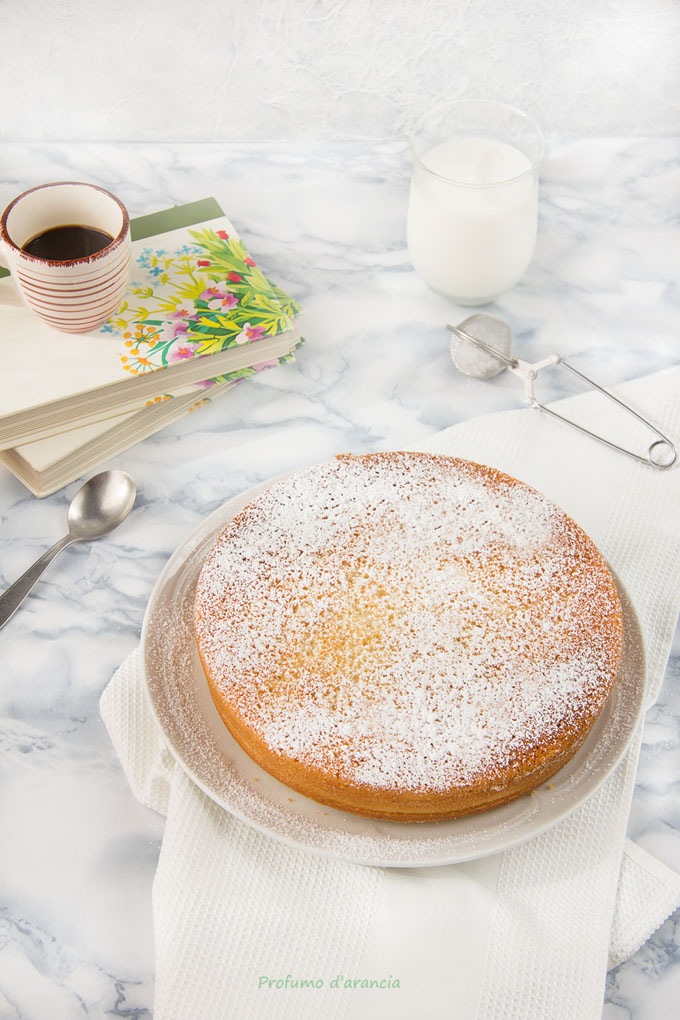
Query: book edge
point(93, 404)
point(143, 424)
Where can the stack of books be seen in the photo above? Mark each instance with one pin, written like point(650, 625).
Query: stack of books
point(198, 318)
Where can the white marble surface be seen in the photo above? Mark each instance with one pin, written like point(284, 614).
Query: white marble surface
point(77, 852)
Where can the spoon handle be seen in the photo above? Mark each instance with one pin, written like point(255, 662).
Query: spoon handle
point(11, 599)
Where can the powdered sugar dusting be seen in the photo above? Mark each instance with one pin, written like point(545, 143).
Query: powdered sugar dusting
point(407, 621)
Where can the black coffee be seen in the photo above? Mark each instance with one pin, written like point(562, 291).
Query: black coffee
point(63, 244)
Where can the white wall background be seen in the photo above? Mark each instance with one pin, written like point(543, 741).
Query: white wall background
point(330, 69)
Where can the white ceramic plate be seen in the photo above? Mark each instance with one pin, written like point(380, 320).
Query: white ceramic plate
point(204, 747)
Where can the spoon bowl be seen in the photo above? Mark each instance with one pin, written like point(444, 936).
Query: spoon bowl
point(97, 508)
point(101, 505)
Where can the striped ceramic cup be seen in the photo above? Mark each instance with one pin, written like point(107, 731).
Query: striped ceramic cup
point(74, 285)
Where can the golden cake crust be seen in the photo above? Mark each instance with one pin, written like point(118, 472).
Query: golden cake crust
point(407, 636)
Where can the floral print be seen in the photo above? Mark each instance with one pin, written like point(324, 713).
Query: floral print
point(202, 297)
point(217, 297)
point(249, 333)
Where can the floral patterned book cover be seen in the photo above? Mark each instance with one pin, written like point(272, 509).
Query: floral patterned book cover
point(198, 312)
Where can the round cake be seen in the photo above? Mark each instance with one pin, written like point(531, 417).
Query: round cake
point(407, 636)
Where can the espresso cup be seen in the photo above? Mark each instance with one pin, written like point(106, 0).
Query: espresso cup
point(67, 246)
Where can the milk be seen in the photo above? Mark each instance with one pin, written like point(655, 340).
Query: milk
point(472, 217)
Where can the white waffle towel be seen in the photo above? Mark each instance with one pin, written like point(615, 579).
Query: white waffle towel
point(242, 920)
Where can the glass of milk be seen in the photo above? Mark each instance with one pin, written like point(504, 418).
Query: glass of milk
point(474, 198)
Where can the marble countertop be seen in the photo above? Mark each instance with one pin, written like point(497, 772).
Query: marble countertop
point(327, 222)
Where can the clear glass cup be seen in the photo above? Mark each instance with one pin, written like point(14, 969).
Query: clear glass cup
point(473, 204)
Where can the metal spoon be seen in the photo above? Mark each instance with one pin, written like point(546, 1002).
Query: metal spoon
point(98, 507)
